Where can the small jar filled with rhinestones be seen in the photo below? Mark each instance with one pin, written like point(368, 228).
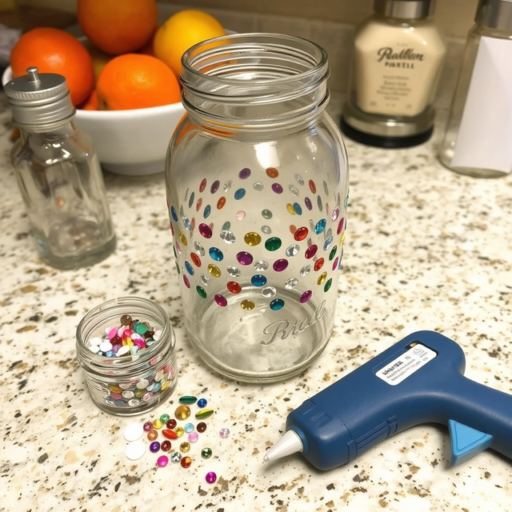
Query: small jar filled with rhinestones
point(126, 347)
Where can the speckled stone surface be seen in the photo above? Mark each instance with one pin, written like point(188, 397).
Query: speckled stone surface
point(425, 249)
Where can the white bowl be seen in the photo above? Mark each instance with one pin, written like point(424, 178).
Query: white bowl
point(131, 142)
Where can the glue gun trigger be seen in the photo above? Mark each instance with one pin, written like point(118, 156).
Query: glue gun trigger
point(466, 442)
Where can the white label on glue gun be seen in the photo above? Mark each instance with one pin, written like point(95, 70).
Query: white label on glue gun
point(402, 367)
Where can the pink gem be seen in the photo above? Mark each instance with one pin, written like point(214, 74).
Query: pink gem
point(280, 265)
point(186, 281)
point(205, 230)
point(211, 477)
point(147, 397)
point(340, 225)
point(162, 461)
point(148, 426)
point(278, 189)
point(311, 251)
point(335, 213)
point(116, 396)
point(203, 185)
point(112, 332)
point(244, 258)
point(221, 300)
point(305, 296)
point(335, 264)
point(193, 437)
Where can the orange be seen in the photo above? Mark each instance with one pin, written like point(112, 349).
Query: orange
point(136, 81)
point(92, 102)
point(117, 26)
point(99, 58)
point(181, 31)
point(54, 51)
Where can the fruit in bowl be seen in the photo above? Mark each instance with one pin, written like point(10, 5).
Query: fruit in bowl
point(126, 93)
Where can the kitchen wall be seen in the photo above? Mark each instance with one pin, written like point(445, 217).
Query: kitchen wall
point(330, 23)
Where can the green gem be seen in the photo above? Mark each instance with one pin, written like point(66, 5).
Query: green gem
point(226, 226)
point(188, 400)
point(267, 214)
point(332, 253)
point(273, 244)
point(205, 413)
point(141, 328)
point(201, 292)
point(206, 453)
point(177, 268)
point(328, 285)
point(165, 418)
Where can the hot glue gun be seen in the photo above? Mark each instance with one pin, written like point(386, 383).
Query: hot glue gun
point(418, 380)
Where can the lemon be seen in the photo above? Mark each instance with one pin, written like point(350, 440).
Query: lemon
point(181, 31)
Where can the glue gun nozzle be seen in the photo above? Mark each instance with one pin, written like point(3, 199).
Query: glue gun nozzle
point(288, 444)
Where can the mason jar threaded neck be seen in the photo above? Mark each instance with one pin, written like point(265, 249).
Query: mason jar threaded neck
point(255, 80)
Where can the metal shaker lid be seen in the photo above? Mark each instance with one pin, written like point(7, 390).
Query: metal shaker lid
point(404, 9)
point(495, 14)
point(39, 99)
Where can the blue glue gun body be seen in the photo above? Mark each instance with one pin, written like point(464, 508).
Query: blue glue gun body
point(418, 380)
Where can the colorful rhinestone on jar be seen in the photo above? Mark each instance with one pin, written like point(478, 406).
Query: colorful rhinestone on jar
point(182, 412)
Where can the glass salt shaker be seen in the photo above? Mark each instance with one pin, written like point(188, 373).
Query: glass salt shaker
point(58, 174)
point(257, 190)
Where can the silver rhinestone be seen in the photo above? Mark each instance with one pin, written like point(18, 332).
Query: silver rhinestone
point(260, 266)
point(292, 250)
point(299, 179)
point(266, 229)
point(228, 236)
point(234, 271)
point(258, 186)
point(228, 185)
point(291, 283)
point(294, 190)
point(205, 280)
point(305, 270)
point(268, 292)
point(199, 249)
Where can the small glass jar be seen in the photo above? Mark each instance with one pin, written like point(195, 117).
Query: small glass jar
point(136, 382)
point(58, 174)
point(257, 189)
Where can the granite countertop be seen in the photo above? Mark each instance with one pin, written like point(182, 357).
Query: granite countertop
point(425, 249)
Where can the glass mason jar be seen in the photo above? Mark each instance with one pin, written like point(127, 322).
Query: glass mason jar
point(257, 189)
point(139, 380)
point(58, 174)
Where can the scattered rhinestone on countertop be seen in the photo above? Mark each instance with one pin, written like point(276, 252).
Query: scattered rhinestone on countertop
point(185, 447)
point(176, 457)
point(166, 446)
point(170, 434)
point(152, 435)
point(165, 418)
point(211, 477)
point(186, 462)
point(162, 461)
point(193, 437)
point(171, 423)
point(202, 402)
point(189, 427)
point(204, 413)
point(157, 423)
point(206, 453)
point(187, 400)
point(182, 412)
point(201, 427)
point(154, 446)
point(179, 431)
point(224, 433)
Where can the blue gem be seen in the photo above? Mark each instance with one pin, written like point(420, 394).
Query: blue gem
point(207, 211)
point(239, 193)
point(189, 427)
point(259, 280)
point(189, 268)
point(320, 226)
point(173, 213)
point(327, 243)
point(277, 304)
point(216, 254)
point(297, 208)
point(202, 403)
point(157, 387)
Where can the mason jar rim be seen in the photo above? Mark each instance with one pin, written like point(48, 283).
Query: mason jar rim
point(121, 363)
point(244, 41)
